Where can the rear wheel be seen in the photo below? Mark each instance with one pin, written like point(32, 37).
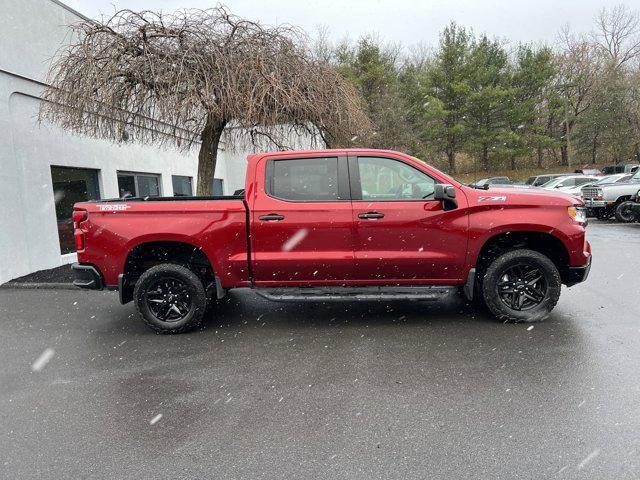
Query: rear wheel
point(624, 212)
point(170, 298)
point(521, 286)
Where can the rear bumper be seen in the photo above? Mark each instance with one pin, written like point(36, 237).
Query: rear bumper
point(578, 274)
point(86, 276)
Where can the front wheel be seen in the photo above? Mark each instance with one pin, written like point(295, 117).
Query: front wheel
point(521, 286)
point(170, 298)
point(624, 212)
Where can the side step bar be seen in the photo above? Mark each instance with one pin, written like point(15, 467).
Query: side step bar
point(324, 294)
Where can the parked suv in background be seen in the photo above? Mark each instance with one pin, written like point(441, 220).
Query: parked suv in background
point(568, 182)
point(603, 201)
point(626, 168)
point(539, 180)
point(629, 210)
point(485, 182)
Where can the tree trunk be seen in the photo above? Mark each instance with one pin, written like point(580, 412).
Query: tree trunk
point(485, 157)
point(451, 156)
point(208, 156)
point(594, 150)
point(513, 162)
point(564, 155)
point(540, 157)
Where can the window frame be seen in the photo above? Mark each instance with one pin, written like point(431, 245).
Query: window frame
point(356, 186)
point(135, 176)
point(96, 172)
point(344, 194)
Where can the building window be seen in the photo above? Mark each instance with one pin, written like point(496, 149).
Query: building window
point(132, 184)
point(71, 185)
point(218, 186)
point(182, 186)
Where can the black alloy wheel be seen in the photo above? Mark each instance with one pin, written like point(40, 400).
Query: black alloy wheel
point(168, 299)
point(522, 287)
point(171, 298)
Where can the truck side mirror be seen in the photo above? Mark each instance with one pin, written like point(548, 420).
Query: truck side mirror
point(446, 193)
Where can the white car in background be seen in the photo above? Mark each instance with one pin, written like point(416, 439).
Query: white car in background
point(570, 183)
point(607, 179)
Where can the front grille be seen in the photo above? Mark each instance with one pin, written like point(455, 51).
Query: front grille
point(589, 192)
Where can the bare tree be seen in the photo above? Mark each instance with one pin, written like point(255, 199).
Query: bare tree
point(618, 34)
point(193, 76)
point(579, 68)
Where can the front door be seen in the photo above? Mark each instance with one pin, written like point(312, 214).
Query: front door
point(301, 225)
point(401, 234)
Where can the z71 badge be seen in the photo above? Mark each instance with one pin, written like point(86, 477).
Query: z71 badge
point(492, 198)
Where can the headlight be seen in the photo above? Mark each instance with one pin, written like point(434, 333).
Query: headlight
point(578, 214)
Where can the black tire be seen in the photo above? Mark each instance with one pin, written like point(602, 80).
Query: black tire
point(623, 213)
point(170, 298)
point(499, 280)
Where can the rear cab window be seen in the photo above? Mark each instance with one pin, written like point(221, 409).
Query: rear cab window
point(303, 180)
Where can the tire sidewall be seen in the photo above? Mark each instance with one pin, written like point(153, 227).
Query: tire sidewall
point(619, 212)
point(196, 291)
point(500, 265)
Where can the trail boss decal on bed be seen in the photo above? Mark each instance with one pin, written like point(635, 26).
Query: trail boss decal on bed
point(492, 198)
point(113, 208)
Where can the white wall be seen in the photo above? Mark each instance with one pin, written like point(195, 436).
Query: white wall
point(31, 31)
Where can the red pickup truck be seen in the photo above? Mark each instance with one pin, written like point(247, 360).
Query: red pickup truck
point(334, 224)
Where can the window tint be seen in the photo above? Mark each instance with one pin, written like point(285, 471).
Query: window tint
point(383, 179)
point(312, 179)
point(182, 186)
point(582, 181)
point(218, 187)
point(138, 184)
point(569, 182)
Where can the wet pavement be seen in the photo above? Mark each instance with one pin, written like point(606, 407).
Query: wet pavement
point(344, 390)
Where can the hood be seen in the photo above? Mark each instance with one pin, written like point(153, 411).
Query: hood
point(534, 195)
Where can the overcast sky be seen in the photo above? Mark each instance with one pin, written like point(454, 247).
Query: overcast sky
point(405, 21)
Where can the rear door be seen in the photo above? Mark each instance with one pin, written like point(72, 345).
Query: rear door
point(402, 234)
point(301, 222)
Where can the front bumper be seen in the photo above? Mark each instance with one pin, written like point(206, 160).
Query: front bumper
point(86, 276)
point(589, 203)
point(578, 274)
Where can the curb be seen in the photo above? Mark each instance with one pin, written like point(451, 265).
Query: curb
point(39, 286)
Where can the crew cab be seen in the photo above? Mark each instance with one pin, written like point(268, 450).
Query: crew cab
point(326, 225)
point(603, 201)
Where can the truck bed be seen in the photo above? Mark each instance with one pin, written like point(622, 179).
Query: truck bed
point(217, 226)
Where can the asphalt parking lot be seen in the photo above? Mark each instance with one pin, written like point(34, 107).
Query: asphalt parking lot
point(344, 390)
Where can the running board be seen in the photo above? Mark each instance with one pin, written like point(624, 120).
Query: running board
point(323, 294)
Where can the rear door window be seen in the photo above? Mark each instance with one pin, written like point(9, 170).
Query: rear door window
point(304, 180)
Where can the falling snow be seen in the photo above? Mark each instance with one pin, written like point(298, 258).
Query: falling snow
point(43, 359)
point(155, 419)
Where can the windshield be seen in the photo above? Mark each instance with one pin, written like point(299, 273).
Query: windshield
point(636, 176)
point(609, 179)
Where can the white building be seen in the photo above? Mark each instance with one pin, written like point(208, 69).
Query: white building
point(44, 170)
